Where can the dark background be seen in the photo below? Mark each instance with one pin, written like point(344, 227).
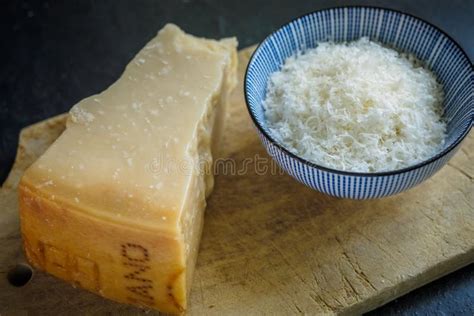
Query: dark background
point(54, 53)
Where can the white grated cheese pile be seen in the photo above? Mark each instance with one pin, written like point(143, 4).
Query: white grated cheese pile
point(357, 107)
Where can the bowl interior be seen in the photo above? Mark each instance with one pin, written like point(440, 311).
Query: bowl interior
point(395, 29)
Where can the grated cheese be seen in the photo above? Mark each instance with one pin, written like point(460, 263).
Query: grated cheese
point(357, 107)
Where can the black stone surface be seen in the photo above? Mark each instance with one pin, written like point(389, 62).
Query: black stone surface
point(54, 53)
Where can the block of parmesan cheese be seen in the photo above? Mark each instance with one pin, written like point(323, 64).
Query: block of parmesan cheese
point(116, 204)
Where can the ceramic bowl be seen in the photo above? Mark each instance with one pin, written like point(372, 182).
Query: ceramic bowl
point(401, 31)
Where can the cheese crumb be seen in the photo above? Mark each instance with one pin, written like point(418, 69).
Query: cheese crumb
point(357, 107)
point(45, 184)
point(80, 116)
point(137, 106)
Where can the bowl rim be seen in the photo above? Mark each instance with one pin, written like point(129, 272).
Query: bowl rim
point(423, 163)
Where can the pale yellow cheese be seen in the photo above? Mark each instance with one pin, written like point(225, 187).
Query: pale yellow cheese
point(116, 204)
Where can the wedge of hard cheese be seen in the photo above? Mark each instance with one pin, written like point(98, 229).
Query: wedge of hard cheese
point(116, 204)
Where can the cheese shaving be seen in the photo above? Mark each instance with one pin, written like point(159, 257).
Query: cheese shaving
point(357, 107)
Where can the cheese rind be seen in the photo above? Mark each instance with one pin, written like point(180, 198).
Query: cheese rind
point(116, 203)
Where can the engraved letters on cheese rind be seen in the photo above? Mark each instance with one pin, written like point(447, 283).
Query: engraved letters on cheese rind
point(136, 260)
point(69, 266)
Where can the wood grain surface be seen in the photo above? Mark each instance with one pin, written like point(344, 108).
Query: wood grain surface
point(272, 246)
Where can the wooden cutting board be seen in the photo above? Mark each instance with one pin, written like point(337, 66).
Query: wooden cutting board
point(273, 246)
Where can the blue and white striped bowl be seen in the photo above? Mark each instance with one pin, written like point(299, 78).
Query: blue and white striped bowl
point(401, 31)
